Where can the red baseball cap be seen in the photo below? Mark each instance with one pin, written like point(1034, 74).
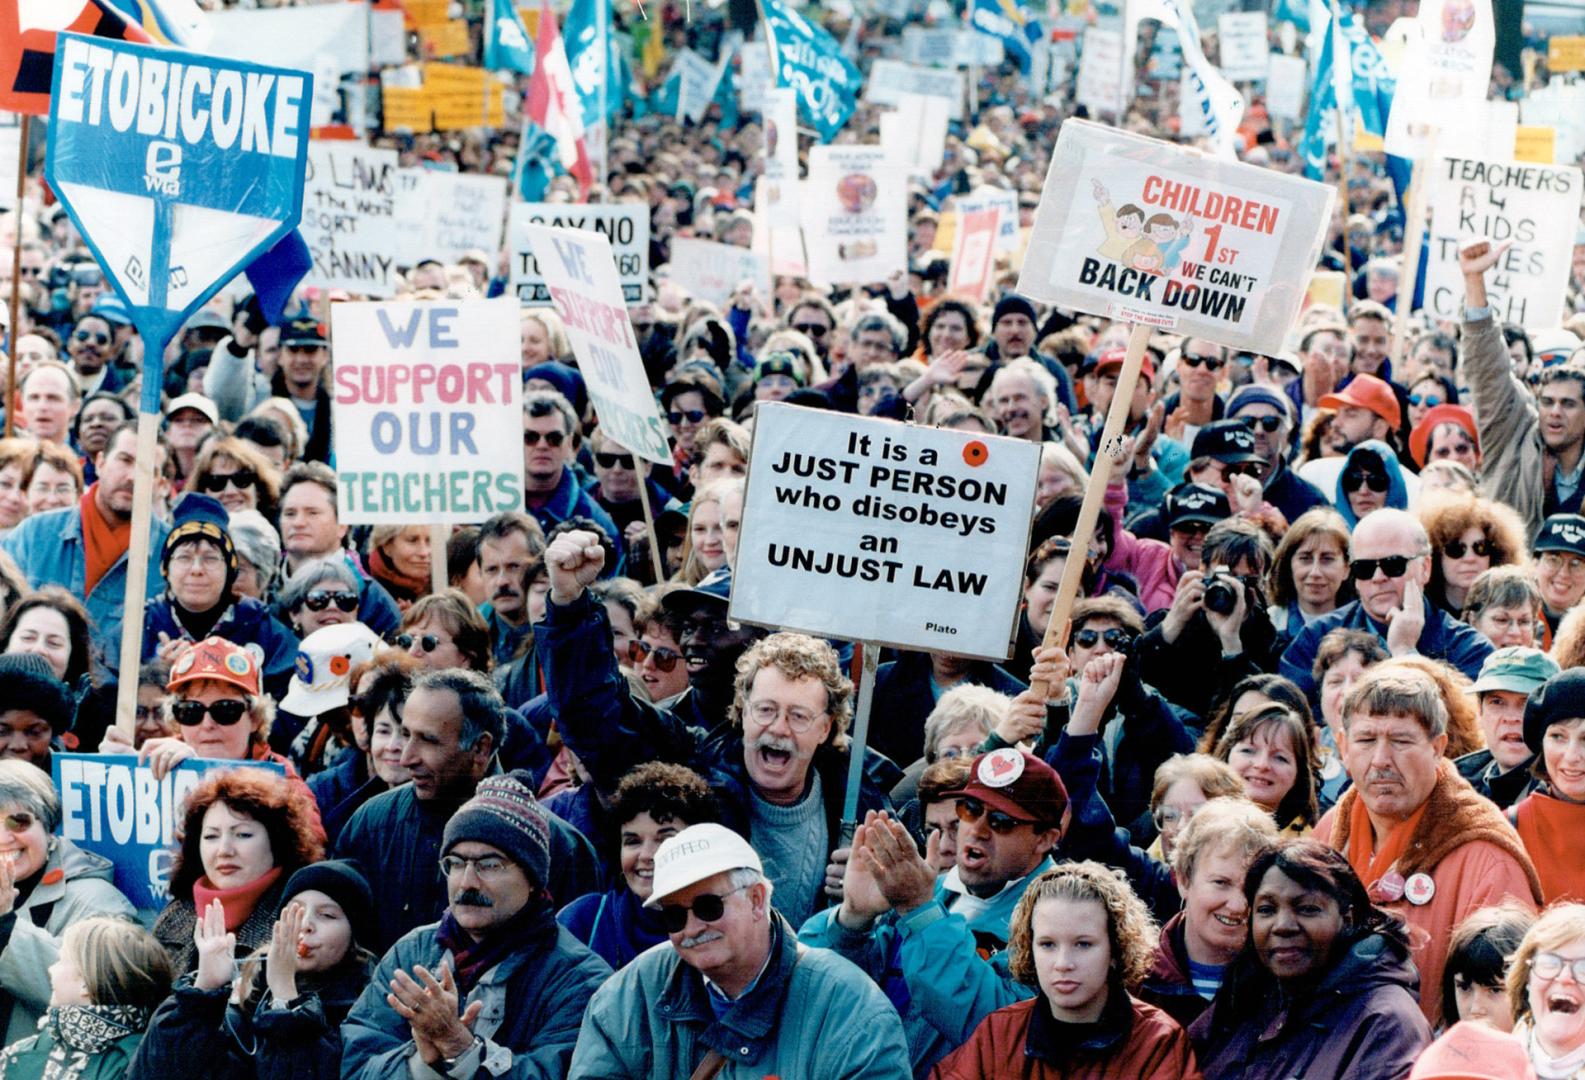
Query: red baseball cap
point(218, 659)
point(1420, 437)
point(1018, 784)
point(1367, 392)
point(1112, 360)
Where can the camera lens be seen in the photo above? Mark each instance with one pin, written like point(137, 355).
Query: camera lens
point(1220, 597)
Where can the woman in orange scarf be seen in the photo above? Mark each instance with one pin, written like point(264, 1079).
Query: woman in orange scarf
point(1551, 818)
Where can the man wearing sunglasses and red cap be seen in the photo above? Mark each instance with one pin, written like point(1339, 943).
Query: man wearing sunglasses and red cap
point(937, 946)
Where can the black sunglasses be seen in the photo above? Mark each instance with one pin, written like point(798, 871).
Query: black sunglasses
point(91, 335)
point(1354, 479)
point(1211, 363)
point(226, 711)
point(814, 330)
point(1394, 566)
point(552, 438)
point(215, 483)
point(19, 822)
point(611, 461)
point(665, 659)
point(693, 416)
point(708, 906)
point(1115, 638)
point(971, 810)
point(320, 599)
point(1265, 423)
point(1454, 549)
point(426, 642)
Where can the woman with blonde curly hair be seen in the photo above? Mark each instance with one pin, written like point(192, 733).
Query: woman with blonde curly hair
point(1469, 535)
point(1547, 993)
point(1083, 942)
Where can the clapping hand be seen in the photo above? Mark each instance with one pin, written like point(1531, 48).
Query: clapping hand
point(217, 949)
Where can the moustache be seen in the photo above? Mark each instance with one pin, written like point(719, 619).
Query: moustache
point(786, 746)
point(1383, 775)
point(472, 898)
point(506, 592)
point(700, 939)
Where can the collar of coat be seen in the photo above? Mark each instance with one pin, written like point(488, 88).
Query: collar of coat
point(1456, 815)
point(751, 1021)
point(1058, 1043)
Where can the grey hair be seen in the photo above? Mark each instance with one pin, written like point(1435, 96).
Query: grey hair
point(313, 572)
point(537, 403)
point(963, 706)
point(25, 785)
point(258, 543)
point(744, 876)
point(882, 320)
point(483, 711)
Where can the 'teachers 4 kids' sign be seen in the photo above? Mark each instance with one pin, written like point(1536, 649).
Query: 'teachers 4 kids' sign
point(178, 169)
point(1137, 229)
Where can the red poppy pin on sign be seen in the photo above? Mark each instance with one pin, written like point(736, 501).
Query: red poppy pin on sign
point(976, 454)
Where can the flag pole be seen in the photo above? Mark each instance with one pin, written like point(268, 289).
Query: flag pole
point(16, 279)
point(1413, 231)
point(1346, 165)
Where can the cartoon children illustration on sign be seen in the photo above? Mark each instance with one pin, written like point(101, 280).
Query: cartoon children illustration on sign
point(1153, 246)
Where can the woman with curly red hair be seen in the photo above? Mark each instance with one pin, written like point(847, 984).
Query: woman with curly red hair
point(1469, 535)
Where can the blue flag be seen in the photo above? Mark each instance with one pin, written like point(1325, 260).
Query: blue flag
point(1007, 19)
point(599, 74)
point(276, 273)
point(811, 62)
point(506, 44)
point(1366, 81)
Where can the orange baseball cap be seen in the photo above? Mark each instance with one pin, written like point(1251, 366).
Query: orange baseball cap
point(218, 659)
point(1367, 392)
point(1420, 437)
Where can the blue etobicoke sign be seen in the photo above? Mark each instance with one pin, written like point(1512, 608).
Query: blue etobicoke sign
point(178, 169)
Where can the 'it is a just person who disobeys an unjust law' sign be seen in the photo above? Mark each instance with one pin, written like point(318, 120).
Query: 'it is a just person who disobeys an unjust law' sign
point(872, 530)
point(1138, 229)
point(428, 403)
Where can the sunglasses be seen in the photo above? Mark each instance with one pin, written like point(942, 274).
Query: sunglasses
point(426, 642)
point(1268, 424)
point(1242, 468)
point(971, 810)
point(91, 335)
point(19, 822)
point(320, 599)
point(1394, 566)
point(1354, 479)
point(814, 330)
point(1428, 400)
point(693, 416)
point(552, 438)
point(708, 906)
point(1115, 638)
point(665, 659)
point(1210, 363)
point(611, 461)
point(226, 711)
point(1454, 549)
point(215, 483)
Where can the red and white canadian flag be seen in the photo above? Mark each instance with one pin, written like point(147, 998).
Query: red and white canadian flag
point(553, 101)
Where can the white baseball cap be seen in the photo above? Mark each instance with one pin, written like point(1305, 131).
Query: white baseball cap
point(325, 660)
point(697, 853)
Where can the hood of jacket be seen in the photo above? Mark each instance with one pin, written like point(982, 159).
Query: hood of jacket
point(1397, 490)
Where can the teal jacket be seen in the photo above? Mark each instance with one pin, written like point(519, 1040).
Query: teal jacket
point(944, 973)
point(77, 1042)
point(811, 1014)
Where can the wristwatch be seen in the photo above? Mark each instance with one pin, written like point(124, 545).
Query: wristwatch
point(450, 1063)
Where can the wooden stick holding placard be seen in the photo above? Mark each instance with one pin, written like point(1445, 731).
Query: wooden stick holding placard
point(870, 653)
point(1095, 494)
point(1413, 231)
point(649, 522)
point(16, 279)
point(137, 573)
point(1345, 164)
point(439, 565)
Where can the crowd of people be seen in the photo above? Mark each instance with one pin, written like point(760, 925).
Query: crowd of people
point(1299, 798)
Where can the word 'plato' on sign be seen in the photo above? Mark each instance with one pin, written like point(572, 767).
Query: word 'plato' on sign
point(1137, 229)
point(428, 402)
point(854, 528)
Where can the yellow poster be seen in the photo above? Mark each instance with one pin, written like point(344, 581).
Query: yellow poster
point(446, 39)
point(1535, 144)
point(1566, 54)
point(1326, 287)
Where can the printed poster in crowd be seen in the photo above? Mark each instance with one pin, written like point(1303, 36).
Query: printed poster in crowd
point(874, 530)
point(1285, 81)
point(974, 252)
point(1245, 48)
point(444, 215)
point(1004, 202)
point(1521, 203)
point(427, 411)
point(1565, 52)
point(1137, 229)
point(350, 217)
point(780, 124)
point(1537, 144)
point(696, 79)
point(1560, 106)
point(1100, 86)
point(889, 80)
point(712, 271)
point(112, 806)
point(951, 47)
point(782, 245)
point(855, 220)
point(1446, 73)
point(580, 272)
point(915, 133)
point(624, 225)
point(754, 78)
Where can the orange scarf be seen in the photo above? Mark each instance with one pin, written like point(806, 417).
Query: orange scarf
point(1372, 868)
point(238, 902)
point(103, 541)
point(1550, 829)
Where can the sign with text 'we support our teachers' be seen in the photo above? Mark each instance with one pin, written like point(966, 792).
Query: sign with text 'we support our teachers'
point(427, 402)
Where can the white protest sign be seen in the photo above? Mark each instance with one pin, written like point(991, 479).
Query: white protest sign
point(1137, 229)
point(1534, 206)
point(951, 46)
point(349, 217)
point(1561, 106)
point(624, 225)
point(427, 401)
point(327, 90)
point(454, 213)
point(780, 122)
point(754, 78)
point(854, 215)
point(873, 530)
point(1100, 87)
point(581, 275)
point(293, 36)
point(1245, 49)
point(974, 251)
point(890, 79)
point(782, 245)
point(1285, 85)
point(915, 133)
point(711, 271)
point(10, 151)
point(696, 84)
point(1004, 202)
point(1444, 78)
point(387, 38)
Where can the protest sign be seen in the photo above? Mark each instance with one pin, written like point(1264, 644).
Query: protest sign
point(879, 531)
point(581, 275)
point(711, 271)
point(112, 806)
point(974, 251)
point(1503, 201)
point(1560, 106)
point(349, 217)
point(1137, 229)
point(10, 156)
point(696, 78)
point(754, 79)
point(625, 226)
point(293, 36)
point(1245, 49)
point(446, 97)
point(1566, 53)
point(890, 79)
point(1446, 73)
point(1101, 85)
point(1004, 202)
point(950, 46)
point(444, 215)
point(1285, 86)
point(427, 400)
point(854, 215)
point(782, 245)
point(1535, 144)
point(915, 133)
point(780, 123)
